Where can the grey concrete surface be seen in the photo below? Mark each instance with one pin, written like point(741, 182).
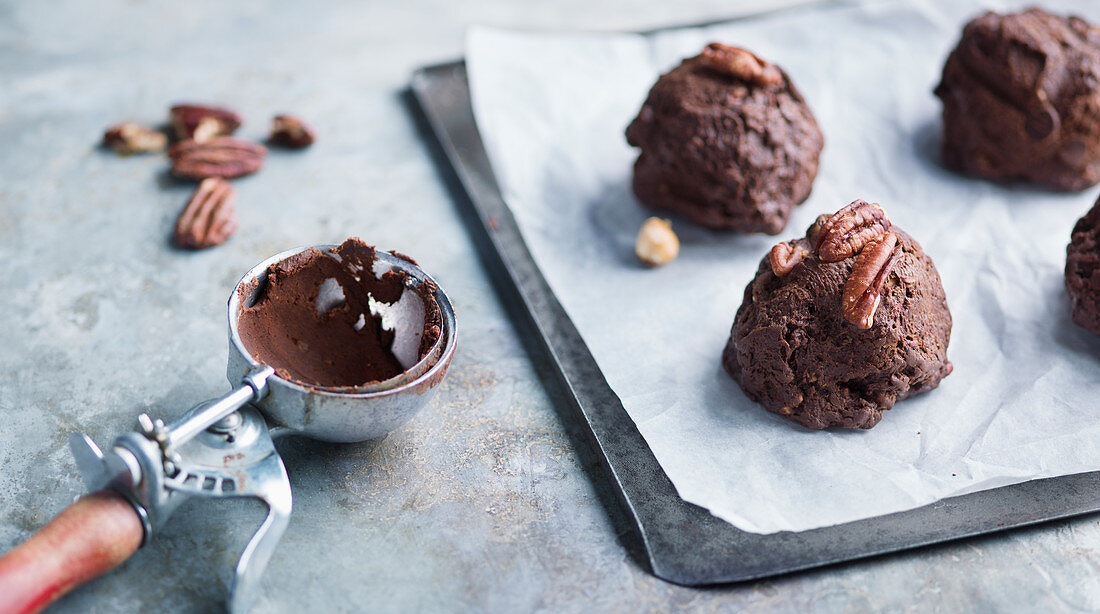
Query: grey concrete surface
point(484, 502)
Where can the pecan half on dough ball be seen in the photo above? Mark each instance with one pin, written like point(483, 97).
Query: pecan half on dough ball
point(727, 142)
point(1021, 100)
point(1083, 271)
point(840, 324)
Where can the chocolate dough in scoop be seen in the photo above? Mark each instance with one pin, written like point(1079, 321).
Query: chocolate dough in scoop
point(312, 320)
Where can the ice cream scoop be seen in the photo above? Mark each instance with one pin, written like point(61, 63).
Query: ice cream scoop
point(301, 323)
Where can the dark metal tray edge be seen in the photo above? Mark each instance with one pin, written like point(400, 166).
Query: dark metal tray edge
point(683, 542)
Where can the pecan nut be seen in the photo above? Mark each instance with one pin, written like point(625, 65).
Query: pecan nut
point(203, 122)
point(222, 156)
point(863, 290)
point(813, 233)
point(132, 138)
point(741, 64)
point(292, 132)
point(845, 233)
point(209, 216)
point(785, 256)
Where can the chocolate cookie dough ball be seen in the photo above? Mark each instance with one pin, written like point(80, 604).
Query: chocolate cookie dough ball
point(1021, 101)
point(726, 141)
point(839, 325)
point(1083, 271)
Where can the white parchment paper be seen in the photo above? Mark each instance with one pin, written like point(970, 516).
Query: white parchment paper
point(1022, 402)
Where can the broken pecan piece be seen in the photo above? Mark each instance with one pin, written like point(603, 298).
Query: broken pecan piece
point(203, 122)
point(845, 233)
point(130, 138)
point(209, 216)
point(863, 290)
point(741, 64)
point(813, 233)
point(785, 256)
point(222, 156)
point(290, 131)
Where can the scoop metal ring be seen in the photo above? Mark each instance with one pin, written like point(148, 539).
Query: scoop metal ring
point(346, 415)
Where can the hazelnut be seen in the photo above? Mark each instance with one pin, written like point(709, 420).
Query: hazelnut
point(656, 243)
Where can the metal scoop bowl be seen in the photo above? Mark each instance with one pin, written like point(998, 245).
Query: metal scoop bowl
point(223, 448)
point(365, 412)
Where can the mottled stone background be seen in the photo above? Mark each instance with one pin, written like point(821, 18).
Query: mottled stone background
point(484, 502)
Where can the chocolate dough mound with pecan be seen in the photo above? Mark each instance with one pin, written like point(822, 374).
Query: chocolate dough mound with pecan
point(727, 142)
point(1021, 101)
point(1083, 271)
point(840, 324)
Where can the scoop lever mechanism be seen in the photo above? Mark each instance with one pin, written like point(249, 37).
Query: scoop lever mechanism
point(221, 448)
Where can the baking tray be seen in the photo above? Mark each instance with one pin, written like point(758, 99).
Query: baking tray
point(682, 542)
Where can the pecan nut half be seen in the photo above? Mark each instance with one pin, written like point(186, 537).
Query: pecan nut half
point(209, 216)
point(845, 233)
point(222, 156)
point(785, 256)
point(741, 64)
point(863, 290)
point(132, 138)
point(292, 132)
point(201, 122)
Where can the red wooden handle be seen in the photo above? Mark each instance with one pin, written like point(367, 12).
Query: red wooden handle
point(87, 539)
